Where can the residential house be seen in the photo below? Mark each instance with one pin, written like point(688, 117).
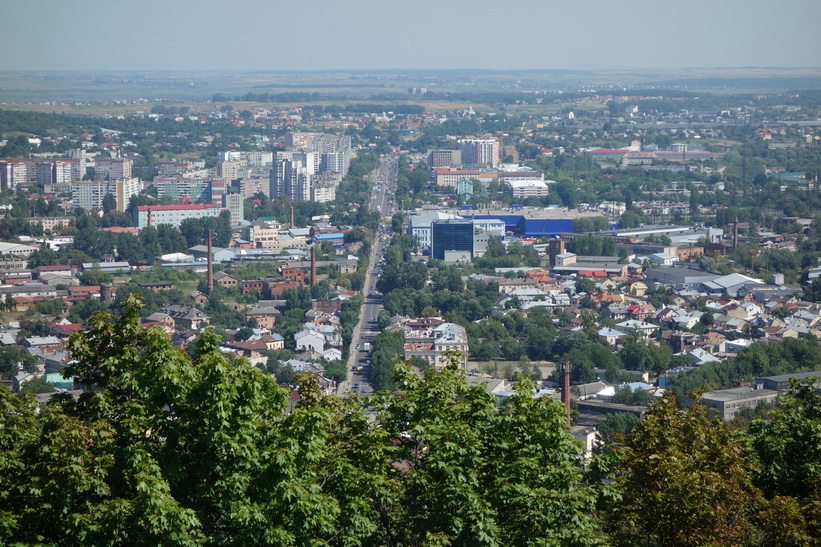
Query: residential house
point(308, 340)
point(609, 336)
point(432, 339)
point(265, 317)
point(187, 317)
point(332, 354)
point(644, 330)
point(43, 344)
point(225, 280)
point(199, 298)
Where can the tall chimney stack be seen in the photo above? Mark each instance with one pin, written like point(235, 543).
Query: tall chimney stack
point(210, 264)
point(292, 217)
point(313, 264)
point(735, 234)
point(566, 387)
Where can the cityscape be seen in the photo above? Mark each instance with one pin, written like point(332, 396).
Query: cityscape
point(399, 298)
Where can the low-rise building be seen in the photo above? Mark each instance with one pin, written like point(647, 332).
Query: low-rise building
point(727, 403)
point(156, 215)
point(432, 339)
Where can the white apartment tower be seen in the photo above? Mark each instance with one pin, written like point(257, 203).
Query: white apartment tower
point(13, 174)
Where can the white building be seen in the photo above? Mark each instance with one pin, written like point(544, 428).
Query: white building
point(527, 188)
point(89, 194)
point(308, 340)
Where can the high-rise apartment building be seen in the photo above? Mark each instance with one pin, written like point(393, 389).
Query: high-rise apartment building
point(230, 170)
point(293, 175)
point(171, 168)
point(235, 204)
point(112, 168)
point(177, 188)
point(88, 194)
point(13, 174)
point(336, 162)
point(480, 152)
point(53, 172)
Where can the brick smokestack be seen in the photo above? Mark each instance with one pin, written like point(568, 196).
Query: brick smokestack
point(210, 264)
point(292, 217)
point(313, 264)
point(566, 386)
point(735, 234)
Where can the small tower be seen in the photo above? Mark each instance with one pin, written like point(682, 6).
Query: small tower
point(106, 293)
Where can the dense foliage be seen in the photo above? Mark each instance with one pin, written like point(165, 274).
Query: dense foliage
point(178, 449)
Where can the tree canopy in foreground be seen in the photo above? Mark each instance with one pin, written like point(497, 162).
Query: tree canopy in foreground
point(178, 449)
point(190, 448)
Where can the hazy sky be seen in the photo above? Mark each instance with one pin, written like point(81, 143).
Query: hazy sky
point(370, 34)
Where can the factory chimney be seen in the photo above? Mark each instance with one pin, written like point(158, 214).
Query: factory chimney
point(566, 388)
point(313, 264)
point(735, 233)
point(210, 264)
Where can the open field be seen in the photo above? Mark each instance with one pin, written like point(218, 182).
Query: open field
point(376, 85)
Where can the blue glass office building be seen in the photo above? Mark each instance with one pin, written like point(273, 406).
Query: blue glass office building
point(451, 235)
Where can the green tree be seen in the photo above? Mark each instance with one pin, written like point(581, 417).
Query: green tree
point(37, 385)
point(12, 358)
point(177, 448)
point(244, 333)
point(585, 285)
point(484, 476)
point(788, 446)
point(613, 428)
point(109, 203)
point(95, 277)
point(337, 370)
point(637, 397)
point(683, 479)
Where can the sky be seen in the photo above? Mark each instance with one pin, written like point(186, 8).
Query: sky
point(245, 35)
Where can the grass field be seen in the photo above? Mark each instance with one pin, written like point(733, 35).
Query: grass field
point(31, 90)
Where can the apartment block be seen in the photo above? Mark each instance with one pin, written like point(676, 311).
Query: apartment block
point(480, 152)
point(235, 203)
point(230, 170)
point(451, 177)
point(523, 189)
point(444, 158)
point(178, 188)
point(156, 215)
point(112, 168)
point(89, 195)
point(49, 224)
point(13, 174)
point(263, 234)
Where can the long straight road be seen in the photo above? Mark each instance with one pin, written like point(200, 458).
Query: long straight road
point(382, 200)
